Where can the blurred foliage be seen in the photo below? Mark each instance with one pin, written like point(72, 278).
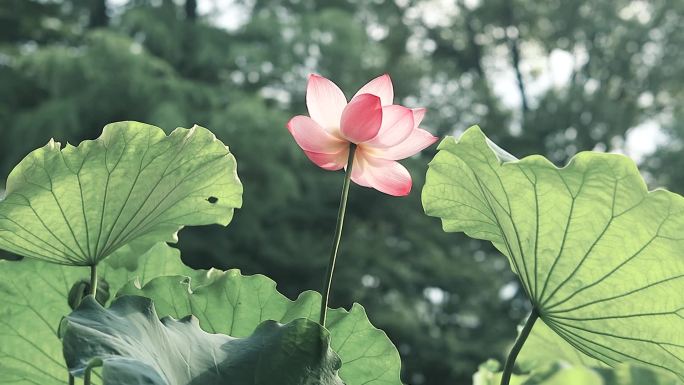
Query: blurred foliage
point(69, 67)
point(563, 373)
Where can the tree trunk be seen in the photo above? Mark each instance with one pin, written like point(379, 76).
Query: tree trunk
point(514, 47)
point(191, 10)
point(98, 14)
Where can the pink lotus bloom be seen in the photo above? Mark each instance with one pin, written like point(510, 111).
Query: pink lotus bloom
point(383, 132)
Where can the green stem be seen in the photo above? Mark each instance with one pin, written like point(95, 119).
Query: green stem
point(510, 361)
point(86, 376)
point(71, 379)
point(95, 363)
point(93, 279)
point(338, 235)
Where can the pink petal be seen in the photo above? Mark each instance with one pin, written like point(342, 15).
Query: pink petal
point(381, 87)
point(362, 118)
point(312, 137)
point(386, 176)
point(418, 115)
point(360, 169)
point(325, 102)
point(397, 124)
point(329, 161)
point(415, 143)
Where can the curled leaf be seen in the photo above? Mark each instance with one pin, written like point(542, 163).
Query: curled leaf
point(135, 347)
point(234, 304)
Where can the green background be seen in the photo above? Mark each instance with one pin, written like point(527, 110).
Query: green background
point(67, 68)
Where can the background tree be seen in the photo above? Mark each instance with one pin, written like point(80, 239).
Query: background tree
point(551, 77)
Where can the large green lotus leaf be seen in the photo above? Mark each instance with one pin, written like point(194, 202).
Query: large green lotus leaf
point(234, 304)
point(135, 347)
point(598, 255)
point(77, 205)
point(34, 293)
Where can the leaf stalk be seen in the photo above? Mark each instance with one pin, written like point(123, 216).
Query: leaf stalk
point(519, 342)
point(93, 279)
point(87, 375)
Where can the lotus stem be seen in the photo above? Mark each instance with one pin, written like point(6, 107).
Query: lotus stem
point(338, 235)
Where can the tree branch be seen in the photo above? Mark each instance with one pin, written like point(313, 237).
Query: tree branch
point(514, 47)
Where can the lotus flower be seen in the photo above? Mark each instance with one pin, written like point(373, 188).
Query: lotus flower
point(383, 133)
